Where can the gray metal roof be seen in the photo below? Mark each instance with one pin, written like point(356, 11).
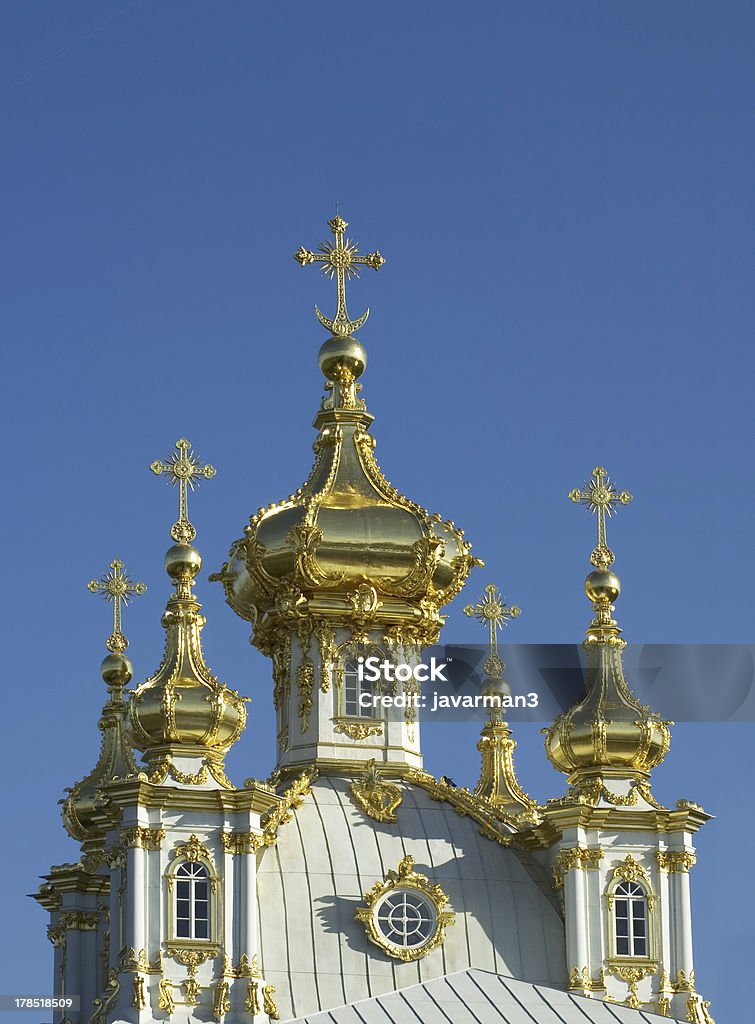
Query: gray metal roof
point(479, 997)
point(317, 954)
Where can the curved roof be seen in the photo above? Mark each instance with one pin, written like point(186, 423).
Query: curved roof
point(310, 883)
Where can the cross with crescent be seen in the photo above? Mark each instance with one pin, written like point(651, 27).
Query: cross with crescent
point(183, 468)
point(340, 260)
point(493, 612)
point(116, 587)
point(601, 498)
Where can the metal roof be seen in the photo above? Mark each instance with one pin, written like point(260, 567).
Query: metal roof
point(480, 997)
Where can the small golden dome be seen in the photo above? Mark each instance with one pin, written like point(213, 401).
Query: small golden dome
point(183, 710)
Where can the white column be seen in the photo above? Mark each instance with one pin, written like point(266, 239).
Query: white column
point(226, 909)
point(135, 900)
point(680, 889)
point(575, 912)
point(248, 935)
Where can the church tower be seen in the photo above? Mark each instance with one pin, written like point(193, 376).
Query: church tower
point(345, 568)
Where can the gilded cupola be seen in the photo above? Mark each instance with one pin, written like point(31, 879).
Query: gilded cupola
point(84, 809)
point(608, 734)
point(183, 719)
point(346, 547)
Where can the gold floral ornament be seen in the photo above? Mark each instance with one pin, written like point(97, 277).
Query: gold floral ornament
point(405, 913)
point(340, 259)
point(601, 498)
point(184, 469)
point(116, 587)
point(377, 798)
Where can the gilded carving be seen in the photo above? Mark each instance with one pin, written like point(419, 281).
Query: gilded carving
point(281, 667)
point(192, 990)
point(580, 857)
point(326, 639)
point(630, 871)
point(79, 920)
point(221, 1003)
point(632, 975)
point(165, 997)
point(241, 842)
point(405, 878)
point(357, 730)
point(488, 817)
point(305, 681)
point(140, 836)
point(377, 798)
point(192, 851)
point(252, 1004)
point(138, 999)
point(675, 861)
point(292, 798)
point(584, 982)
point(103, 1004)
point(131, 960)
point(268, 1003)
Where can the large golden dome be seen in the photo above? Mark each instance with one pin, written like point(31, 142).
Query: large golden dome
point(346, 542)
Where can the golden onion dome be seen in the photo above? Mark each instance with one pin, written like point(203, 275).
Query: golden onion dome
point(347, 543)
point(347, 536)
point(183, 711)
point(609, 732)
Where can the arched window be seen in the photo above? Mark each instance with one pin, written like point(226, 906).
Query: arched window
point(192, 887)
point(630, 908)
point(353, 689)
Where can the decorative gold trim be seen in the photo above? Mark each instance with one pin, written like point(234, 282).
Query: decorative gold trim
point(193, 851)
point(676, 861)
point(268, 1003)
point(632, 974)
point(488, 817)
point(138, 1000)
point(79, 920)
point(305, 683)
point(405, 878)
point(221, 1003)
point(245, 968)
point(140, 836)
point(131, 960)
point(292, 798)
point(165, 1000)
point(582, 981)
point(104, 1003)
point(377, 798)
point(241, 842)
point(585, 858)
point(357, 730)
point(252, 1004)
point(193, 956)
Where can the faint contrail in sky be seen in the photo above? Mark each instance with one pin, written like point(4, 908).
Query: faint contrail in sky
point(61, 53)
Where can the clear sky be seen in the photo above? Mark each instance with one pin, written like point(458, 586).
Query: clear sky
point(563, 196)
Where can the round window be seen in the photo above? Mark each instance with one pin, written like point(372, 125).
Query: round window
point(406, 918)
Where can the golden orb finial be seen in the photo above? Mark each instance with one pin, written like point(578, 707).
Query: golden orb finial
point(116, 587)
point(340, 259)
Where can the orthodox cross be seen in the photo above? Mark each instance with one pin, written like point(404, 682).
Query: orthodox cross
point(493, 612)
point(184, 469)
point(601, 498)
point(340, 260)
point(116, 587)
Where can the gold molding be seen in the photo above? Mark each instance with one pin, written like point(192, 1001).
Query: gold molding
point(241, 842)
point(292, 798)
point(145, 838)
point(193, 851)
point(585, 858)
point(583, 981)
point(357, 730)
point(676, 861)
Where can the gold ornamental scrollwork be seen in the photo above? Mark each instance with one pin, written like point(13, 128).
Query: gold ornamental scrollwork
point(138, 999)
point(165, 997)
point(405, 878)
point(282, 813)
point(140, 836)
point(377, 798)
point(305, 682)
point(129, 959)
point(269, 1005)
point(241, 842)
point(222, 1002)
point(193, 851)
point(104, 1003)
point(583, 981)
point(358, 730)
point(582, 857)
point(630, 871)
point(79, 920)
point(676, 861)
point(253, 1005)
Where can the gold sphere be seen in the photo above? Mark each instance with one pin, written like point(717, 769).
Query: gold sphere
point(182, 560)
point(341, 357)
point(602, 586)
point(116, 670)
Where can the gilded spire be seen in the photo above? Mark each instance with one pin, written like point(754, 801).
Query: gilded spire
point(85, 802)
point(498, 782)
point(182, 467)
point(182, 710)
point(340, 259)
point(608, 734)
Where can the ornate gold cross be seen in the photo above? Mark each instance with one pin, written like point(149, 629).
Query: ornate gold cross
point(493, 612)
point(185, 469)
point(116, 587)
point(601, 498)
point(340, 260)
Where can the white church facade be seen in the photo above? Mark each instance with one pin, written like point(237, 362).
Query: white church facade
point(352, 884)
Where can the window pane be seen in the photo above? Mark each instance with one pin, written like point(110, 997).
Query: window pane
point(200, 931)
point(622, 946)
point(182, 930)
point(182, 890)
point(640, 947)
point(200, 890)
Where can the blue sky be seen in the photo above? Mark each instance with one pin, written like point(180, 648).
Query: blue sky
point(562, 193)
